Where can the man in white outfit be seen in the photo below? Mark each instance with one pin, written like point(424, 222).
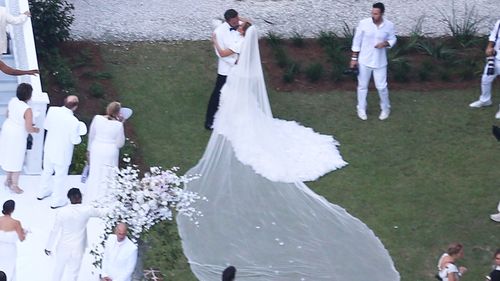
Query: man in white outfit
point(369, 54)
point(7, 18)
point(120, 256)
point(71, 227)
point(493, 52)
point(63, 133)
point(227, 35)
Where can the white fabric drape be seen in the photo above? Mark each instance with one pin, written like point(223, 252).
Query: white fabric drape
point(259, 216)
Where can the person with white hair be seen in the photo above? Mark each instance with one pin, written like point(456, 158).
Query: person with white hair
point(120, 256)
point(63, 133)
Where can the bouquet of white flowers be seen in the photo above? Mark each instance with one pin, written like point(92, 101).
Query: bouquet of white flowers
point(143, 202)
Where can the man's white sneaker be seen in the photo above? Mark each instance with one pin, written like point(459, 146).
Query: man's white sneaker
point(478, 104)
point(384, 114)
point(495, 217)
point(362, 114)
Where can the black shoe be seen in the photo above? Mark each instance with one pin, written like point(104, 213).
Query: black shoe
point(41, 198)
point(56, 207)
point(496, 132)
point(208, 127)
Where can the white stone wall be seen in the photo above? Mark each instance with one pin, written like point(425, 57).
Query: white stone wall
point(130, 20)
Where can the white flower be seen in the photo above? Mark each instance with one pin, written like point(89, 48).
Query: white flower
point(143, 202)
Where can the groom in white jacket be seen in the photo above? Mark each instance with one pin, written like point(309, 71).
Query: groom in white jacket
point(63, 133)
point(120, 256)
point(71, 227)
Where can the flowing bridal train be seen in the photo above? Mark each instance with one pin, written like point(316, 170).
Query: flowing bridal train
point(259, 215)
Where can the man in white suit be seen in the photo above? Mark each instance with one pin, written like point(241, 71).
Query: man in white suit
point(63, 133)
point(71, 227)
point(120, 256)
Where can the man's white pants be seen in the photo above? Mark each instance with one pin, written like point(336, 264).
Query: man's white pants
point(487, 81)
point(57, 189)
point(69, 260)
point(380, 79)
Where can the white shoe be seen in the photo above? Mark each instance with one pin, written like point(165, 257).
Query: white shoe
point(478, 104)
point(497, 116)
point(362, 114)
point(384, 114)
point(495, 217)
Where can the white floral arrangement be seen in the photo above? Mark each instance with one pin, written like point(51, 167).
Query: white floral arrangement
point(143, 202)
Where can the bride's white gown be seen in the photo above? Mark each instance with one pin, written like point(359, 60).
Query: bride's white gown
point(8, 253)
point(260, 216)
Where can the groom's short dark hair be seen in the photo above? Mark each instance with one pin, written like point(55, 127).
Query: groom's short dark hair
point(379, 6)
point(229, 14)
point(3, 277)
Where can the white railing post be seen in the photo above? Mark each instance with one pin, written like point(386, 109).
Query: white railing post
point(23, 47)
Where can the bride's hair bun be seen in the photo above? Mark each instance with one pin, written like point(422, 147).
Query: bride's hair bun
point(8, 207)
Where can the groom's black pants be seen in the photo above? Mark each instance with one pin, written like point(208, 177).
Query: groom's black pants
point(213, 104)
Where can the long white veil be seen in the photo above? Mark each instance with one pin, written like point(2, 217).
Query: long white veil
point(259, 216)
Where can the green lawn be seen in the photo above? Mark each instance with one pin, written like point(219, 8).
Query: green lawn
point(423, 178)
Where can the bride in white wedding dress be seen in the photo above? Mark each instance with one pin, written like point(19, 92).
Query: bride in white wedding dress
point(260, 216)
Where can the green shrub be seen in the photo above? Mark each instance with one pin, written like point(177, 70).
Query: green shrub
point(291, 72)
point(96, 90)
point(59, 69)
point(426, 70)
point(274, 39)
point(281, 57)
point(327, 38)
point(314, 72)
point(436, 48)
point(400, 69)
point(79, 158)
point(97, 75)
point(463, 28)
point(129, 150)
point(445, 74)
point(297, 39)
point(52, 20)
point(84, 58)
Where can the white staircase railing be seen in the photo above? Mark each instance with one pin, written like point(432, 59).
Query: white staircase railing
point(23, 48)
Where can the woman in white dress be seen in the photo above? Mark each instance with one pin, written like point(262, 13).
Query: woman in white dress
point(447, 268)
point(259, 216)
point(106, 137)
point(10, 231)
point(14, 134)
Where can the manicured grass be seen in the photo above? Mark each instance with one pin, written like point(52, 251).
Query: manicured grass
point(423, 178)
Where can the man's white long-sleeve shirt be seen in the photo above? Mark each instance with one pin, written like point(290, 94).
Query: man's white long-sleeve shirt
point(367, 35)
